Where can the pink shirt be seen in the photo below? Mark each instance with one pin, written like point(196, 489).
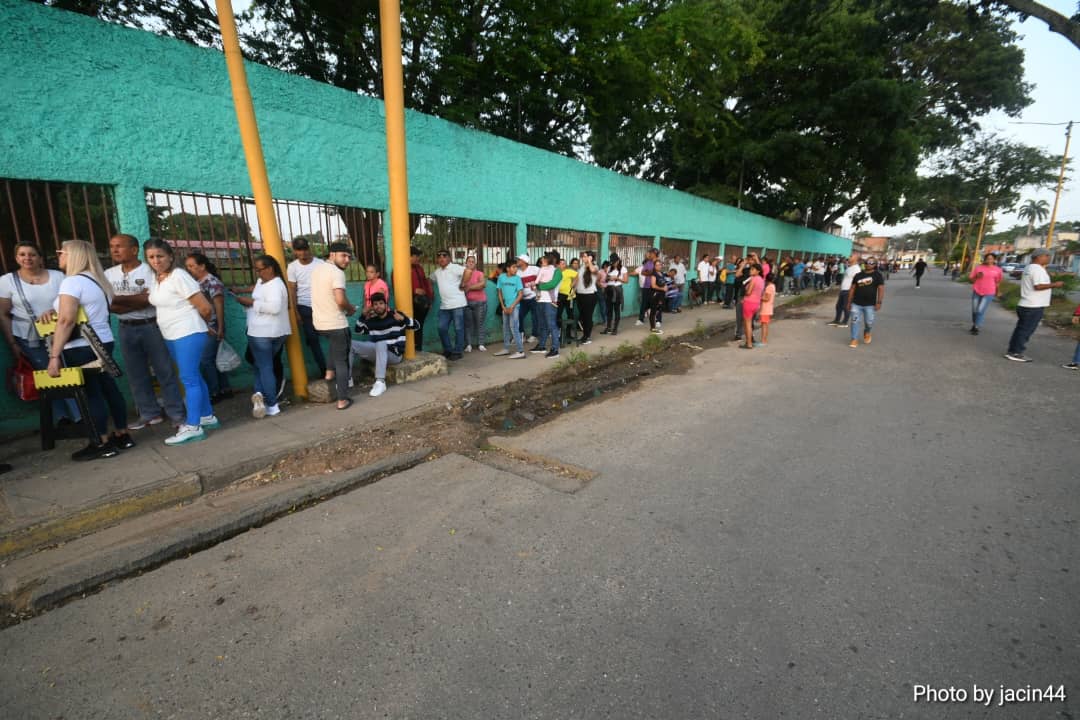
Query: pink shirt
point(767, 299)
point(988, 283)
point(476, 295)
point(375, 286)
point(754, 290)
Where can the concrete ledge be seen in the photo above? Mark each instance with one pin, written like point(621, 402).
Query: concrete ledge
point(37, 583)
point(110, 512)
point(424, 365)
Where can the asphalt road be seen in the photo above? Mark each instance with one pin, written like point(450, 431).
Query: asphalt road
point(804, 530)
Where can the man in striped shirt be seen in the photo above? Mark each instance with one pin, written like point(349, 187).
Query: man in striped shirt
point(386, 344)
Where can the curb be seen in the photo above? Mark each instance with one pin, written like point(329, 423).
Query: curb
point(38, 592)
point(158, 496)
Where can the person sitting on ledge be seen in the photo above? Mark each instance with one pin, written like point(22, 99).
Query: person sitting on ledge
point(386, 331)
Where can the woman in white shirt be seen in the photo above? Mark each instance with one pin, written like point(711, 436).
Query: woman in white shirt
point(25, 295)
point(613, 294)
point(85, 285)
point(182, 312)
point(267, 328)
point(585, 285)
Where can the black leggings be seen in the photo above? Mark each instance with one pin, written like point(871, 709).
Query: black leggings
point(586, 308)
point(102, 395)
point(614, 298)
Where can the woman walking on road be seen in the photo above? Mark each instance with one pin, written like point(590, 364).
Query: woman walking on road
point(986, 279)
point(751, 303)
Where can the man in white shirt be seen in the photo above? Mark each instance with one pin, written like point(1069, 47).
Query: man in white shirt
point(527, 272)
point(452, 304)
point(141, 343)
point(704, 275)
point(680, 282)
point(1035, 291)
point(330, 308)
point(298, 275)
point(843, 311)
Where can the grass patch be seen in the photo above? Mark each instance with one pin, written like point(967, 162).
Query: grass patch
point(572, 359)
point(626, 349)
point(700, 332)
point(652, 344)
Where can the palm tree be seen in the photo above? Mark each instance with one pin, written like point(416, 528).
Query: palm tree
point(1033, 212)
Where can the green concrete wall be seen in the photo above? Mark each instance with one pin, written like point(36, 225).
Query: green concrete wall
point(86, 101)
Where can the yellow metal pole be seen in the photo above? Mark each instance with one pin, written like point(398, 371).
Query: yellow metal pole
point(982, 227)
point(1061, 180)
point(394, 101)
point(260, 184)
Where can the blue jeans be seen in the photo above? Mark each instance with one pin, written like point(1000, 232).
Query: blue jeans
point(842, 313)
point(674, 301)
point(1027, 320)
point(103, 398)
point(859, 315)
point(549, 325)
point(142, 347)
point(527, 306)
point(187, 352)
point(38, 358)
point(1076, 354)
point(512, 329)
point(216, 381)
point(457, 317)
point(263, 351)
point(979, 303)
point(476, 322)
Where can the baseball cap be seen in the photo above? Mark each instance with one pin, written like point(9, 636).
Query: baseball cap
point(523, 257)
point(1039, 253)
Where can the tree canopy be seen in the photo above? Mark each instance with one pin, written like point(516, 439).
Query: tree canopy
point(803, 109)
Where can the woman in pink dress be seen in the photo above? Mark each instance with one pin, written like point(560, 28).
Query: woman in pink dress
point(755, 286)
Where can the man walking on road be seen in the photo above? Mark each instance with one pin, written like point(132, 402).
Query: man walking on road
point(1035, 290)
point(298, 275)
point(918, 270)
point(867, 292)
point(986, 279)
point(843, 303)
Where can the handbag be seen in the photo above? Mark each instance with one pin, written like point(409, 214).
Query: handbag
point(227, 359)
point(21, 380)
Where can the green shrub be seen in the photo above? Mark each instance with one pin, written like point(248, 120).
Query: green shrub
point(652, 344)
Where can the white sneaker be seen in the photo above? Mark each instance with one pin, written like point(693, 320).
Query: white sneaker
point(258, 409)
point(186, 434)
point(378, 388)
point(210, 422)
point(481, 348)
point(517, 356)
point(272, 410)
point(468, 348)
point(501, 353)
point(659, 325)
point(638, 323)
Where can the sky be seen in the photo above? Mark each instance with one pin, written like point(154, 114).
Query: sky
point(1052, 65)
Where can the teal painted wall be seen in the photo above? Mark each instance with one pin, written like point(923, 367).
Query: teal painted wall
point(87, 101)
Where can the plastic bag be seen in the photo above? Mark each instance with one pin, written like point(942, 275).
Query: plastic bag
point(21, 379)
point(227, 359)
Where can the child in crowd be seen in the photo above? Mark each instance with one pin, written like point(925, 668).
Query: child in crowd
point(374, 284)
point(768, 299)
point(672, 292)
point(510, 290)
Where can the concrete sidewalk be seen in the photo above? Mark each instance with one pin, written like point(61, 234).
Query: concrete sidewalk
point(48, 499)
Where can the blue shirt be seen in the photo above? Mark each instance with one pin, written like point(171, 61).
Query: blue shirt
point(509, 287)
point(799, 269)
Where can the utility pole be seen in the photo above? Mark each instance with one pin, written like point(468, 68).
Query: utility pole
point(982, 228)
point(1061, 180)
point(394, 102)
point(260, 184)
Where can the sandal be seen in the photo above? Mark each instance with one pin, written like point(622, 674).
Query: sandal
point(347, 405)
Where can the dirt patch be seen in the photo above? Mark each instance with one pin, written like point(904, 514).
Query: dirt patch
point(463, 426)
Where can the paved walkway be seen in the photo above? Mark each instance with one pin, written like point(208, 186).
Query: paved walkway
point(45, 486)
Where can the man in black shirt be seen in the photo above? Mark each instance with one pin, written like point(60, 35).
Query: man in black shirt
point(864, 299)
point(918, 270)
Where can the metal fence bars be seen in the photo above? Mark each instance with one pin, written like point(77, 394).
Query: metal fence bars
point(630, 248)
point(225, 228)
point(490, 241)
point(568, 243)
point(47, 213)
point(672, 247)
